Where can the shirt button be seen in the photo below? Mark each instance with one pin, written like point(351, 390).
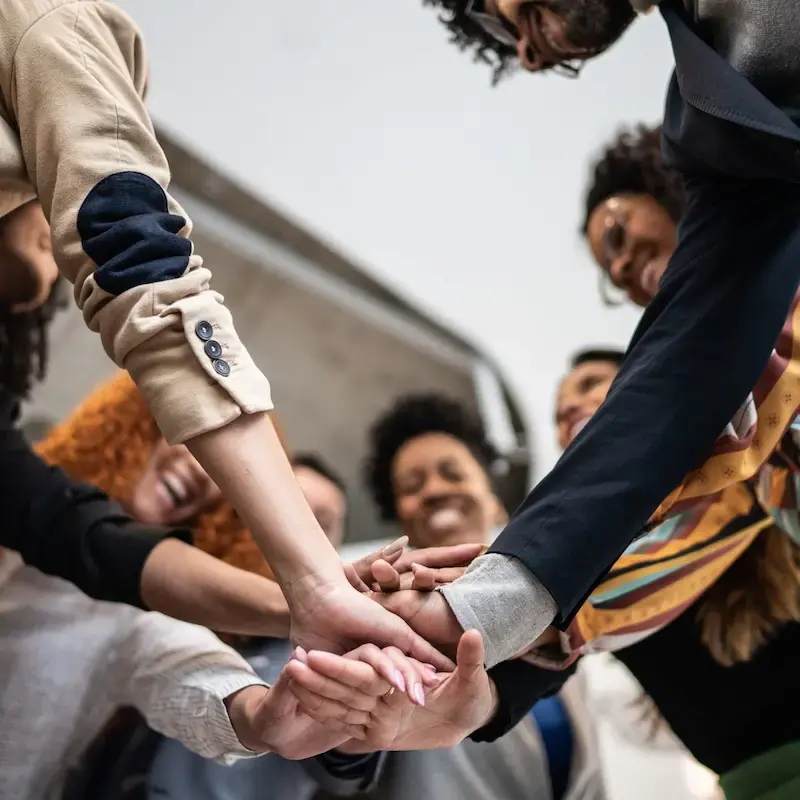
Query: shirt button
point(213, 349)
point(221, 367)
point(204, 330)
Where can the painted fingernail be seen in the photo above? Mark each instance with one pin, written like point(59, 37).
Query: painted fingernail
point(419, 695)
point(430, 667)
point(395, 546)
point(398, 680)
point(301, 655)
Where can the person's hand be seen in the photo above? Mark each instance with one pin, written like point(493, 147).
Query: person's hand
point(422, 578)
point(272, 720)
point(428, 613)
point(464, 701)
point(439, 560)
point(336, 618)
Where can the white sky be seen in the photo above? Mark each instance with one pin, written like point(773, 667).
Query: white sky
point(363, 122)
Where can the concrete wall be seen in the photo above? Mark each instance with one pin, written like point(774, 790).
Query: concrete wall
point(332, 370)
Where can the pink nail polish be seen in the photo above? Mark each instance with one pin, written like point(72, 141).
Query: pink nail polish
point(397, 679)
point(419, 695)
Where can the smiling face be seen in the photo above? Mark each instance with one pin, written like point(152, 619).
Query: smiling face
point(581, 393)
point(173, 488)
point(443, 494)
point(632, 238)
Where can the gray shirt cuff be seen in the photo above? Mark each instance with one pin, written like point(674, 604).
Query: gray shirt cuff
point(502, 599)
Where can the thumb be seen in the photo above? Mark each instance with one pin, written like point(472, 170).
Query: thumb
point(470, 655)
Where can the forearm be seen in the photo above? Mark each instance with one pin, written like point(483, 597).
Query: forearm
point(185, 583)
point(247, 461)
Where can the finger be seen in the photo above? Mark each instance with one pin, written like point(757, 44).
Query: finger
point(362, 568)
point(425, 578)
point(386, 575)
point(334, 689)
point(367, 668)
point(470, 655)
point(323, 709)
point(354, 578)
point(459, 555)
point(415, 676)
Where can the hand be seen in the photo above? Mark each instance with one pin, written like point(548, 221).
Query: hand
point(366, 671)
point(428, 613)
point(422, 578)
point(271, 721)
point(336, 618)
point(361, 573)
point(464, 701)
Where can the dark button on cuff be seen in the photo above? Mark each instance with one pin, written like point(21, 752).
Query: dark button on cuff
point(204, 330)
point(221, 367)
point(213, 349)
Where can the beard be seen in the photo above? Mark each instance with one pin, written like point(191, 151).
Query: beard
point(593, 25)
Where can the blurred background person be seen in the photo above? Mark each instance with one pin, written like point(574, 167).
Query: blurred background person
point(430, 469)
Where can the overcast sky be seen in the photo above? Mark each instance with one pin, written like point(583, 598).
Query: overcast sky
point(363, 122)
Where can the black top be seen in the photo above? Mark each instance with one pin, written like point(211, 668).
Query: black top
point(67, 529)
point(724, 715)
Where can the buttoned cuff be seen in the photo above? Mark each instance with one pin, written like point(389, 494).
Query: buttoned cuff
point(502, 599)
point(197, 375)
point(222, 684)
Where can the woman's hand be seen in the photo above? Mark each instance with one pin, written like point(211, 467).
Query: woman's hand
point(464, 701)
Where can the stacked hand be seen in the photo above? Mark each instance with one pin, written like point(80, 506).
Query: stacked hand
point(299, 722)
point(334, 618)
point(455, 704)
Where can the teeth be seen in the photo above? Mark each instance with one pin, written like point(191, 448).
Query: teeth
point(578, 427)
point(175, 487)
point(444, 518)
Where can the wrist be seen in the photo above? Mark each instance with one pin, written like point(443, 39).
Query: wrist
point(242, 707)
point(493, 706)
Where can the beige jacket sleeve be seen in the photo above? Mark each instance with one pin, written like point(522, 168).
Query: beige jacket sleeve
point(72, 78)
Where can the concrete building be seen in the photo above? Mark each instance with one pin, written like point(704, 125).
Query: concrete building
point(337, 346)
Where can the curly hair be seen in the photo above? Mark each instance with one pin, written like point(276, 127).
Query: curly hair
point(107, 442)
point(633, 164)
point(24, 346)
point(412, 416)
point(467, 36)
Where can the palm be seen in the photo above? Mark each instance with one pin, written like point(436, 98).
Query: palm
point(290, 731)
point(462, 702)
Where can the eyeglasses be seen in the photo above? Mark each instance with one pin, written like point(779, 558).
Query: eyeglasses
point(503, 32)
point(491, 25)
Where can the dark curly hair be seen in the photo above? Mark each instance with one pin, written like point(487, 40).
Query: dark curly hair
point(612, 355)
point(467, 36)
point(633, 164)
point(412, 416)
point(23, 344)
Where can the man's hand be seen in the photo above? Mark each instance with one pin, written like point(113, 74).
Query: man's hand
point(464, 701)
point(428, 613)
point(438, 561)
point(422, 577)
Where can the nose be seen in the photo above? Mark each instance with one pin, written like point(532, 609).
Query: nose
point(435, 489)
point(619, 270)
